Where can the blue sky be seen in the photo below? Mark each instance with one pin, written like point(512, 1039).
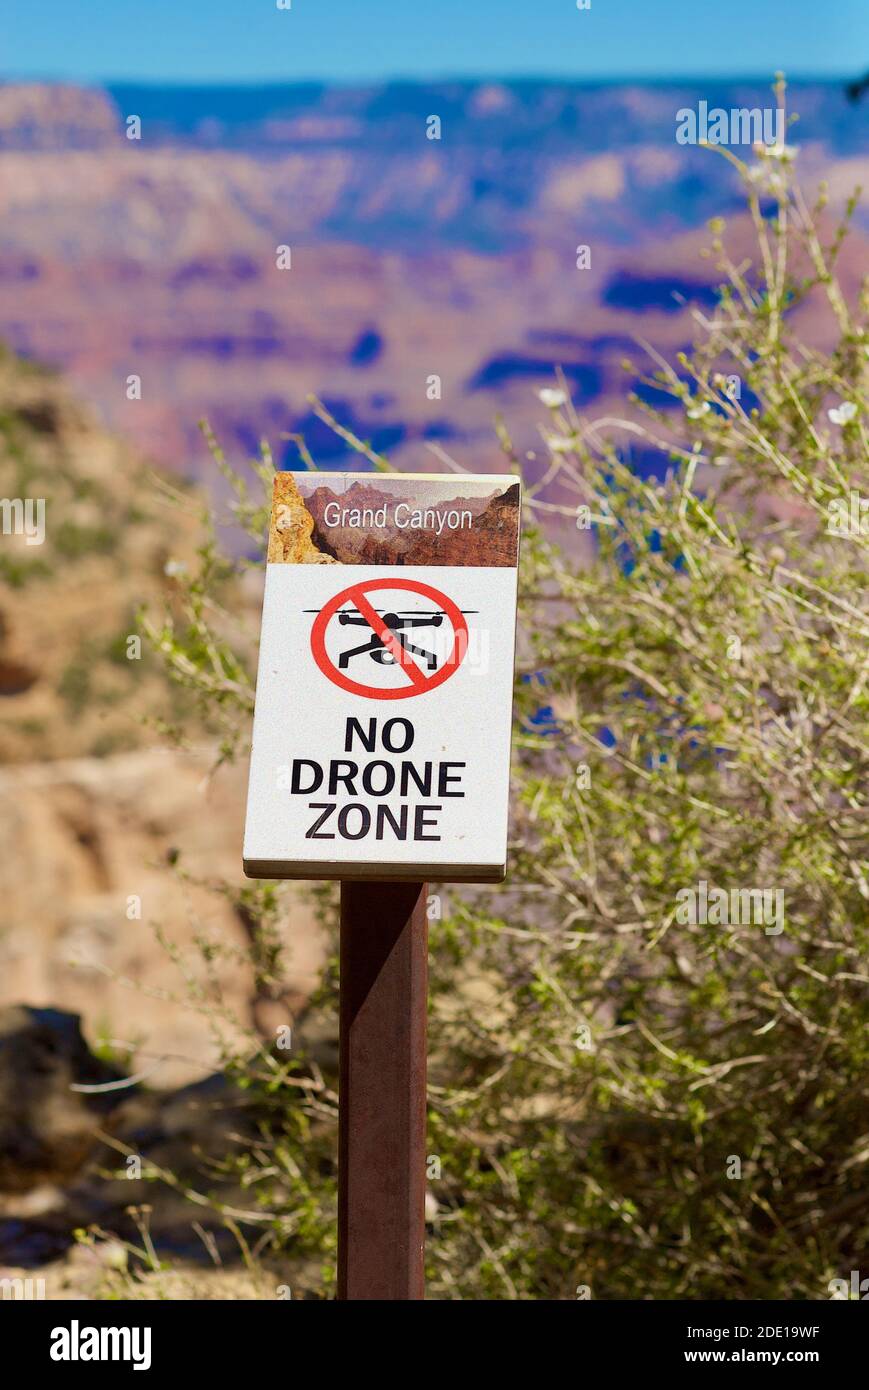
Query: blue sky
point(365, 40)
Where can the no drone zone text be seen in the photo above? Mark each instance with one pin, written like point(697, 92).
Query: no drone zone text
point(377, 778)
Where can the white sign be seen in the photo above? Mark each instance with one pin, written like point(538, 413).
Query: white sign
point(381, 742)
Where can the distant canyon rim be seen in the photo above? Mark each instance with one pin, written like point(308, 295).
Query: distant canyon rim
point(433, 283)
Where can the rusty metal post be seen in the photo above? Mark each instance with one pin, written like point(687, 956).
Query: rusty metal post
point(382, 1090)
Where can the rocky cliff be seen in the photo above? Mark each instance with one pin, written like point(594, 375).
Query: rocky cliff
point(99, 820)
point(73, 679)
point(410, 258)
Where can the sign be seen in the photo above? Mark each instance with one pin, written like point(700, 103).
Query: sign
point(381, 743)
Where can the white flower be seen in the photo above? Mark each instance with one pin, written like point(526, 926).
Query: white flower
point(843, 414)
point(697, 410)
point(174, 568)
point(558, 444)
point(767, 178)
point(787, 153)
point(551, 398)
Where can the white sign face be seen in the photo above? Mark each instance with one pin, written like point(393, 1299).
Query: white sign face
point(381, 741)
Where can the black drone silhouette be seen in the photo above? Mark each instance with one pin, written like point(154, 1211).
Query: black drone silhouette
point(376, 648)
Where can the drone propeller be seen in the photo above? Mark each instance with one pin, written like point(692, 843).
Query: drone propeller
point(403, 612)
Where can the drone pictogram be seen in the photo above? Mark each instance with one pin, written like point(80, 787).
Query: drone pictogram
point(396, 623)
point(414, 668)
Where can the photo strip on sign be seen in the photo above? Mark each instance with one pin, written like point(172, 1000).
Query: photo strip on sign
point(381, 739)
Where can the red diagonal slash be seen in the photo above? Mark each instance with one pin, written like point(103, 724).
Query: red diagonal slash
point(390, 641)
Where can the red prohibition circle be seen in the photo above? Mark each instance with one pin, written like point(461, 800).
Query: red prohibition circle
point(418, 683)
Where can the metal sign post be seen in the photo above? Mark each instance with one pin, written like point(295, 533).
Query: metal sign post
point(382, 1091)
